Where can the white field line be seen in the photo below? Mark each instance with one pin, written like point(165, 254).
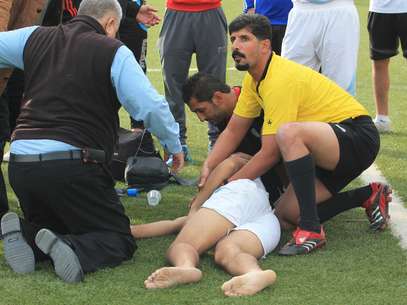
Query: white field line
point(397, 211)
point(191, 69)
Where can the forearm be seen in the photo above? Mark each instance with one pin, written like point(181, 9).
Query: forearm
point(257, 166)
point(158, 228)
point(225, 145)
point(217, 177)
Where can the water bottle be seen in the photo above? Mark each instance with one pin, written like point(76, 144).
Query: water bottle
point(131, 192)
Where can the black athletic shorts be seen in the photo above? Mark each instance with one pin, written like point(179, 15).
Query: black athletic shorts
point(277, 34)
point(385, 31)
point(359, 143)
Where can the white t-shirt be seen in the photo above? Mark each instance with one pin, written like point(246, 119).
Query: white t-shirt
point(388, 6)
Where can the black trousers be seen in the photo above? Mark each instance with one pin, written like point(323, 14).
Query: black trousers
point(135, 38)
point(278, 32)
point(78, 202)
point(3, 192)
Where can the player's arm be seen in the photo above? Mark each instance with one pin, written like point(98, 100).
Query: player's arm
point(261, 162)
point(218, 177)
point(225, 145)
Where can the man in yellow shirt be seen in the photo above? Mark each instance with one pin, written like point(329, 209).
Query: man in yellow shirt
point(324, 136)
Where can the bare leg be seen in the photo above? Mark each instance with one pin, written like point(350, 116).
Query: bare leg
point(381, 85)
point(158, 228)
point(238, 254)
point(200, 233)
point(287, 208)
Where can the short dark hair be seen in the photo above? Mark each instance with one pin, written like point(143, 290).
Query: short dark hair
point(257, 24)
point(202, 86)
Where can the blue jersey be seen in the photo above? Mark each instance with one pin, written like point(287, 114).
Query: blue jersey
point(275, 10)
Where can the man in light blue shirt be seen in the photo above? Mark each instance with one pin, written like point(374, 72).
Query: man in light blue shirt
point(133, 89)
point(77, 76)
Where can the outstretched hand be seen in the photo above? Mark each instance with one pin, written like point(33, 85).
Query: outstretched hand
point(147, 15)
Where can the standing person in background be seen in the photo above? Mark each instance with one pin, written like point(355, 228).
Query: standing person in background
point(277, 12)
point(134, 35)
point(324, 35)
point(387, 25)
point(191, 26)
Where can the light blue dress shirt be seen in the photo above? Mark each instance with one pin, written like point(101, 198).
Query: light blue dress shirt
point(133, 89)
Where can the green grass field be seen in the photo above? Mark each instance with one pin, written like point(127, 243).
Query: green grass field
point(356, 267)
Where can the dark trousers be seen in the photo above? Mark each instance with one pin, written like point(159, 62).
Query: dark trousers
point(4, 134)
point(78, 202)
point(135, 38)
point(3, 192)
point(278, 32)
point(183, 34)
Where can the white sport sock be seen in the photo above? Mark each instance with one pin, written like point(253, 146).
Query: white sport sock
point(382, 118)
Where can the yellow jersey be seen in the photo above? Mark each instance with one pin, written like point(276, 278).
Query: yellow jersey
point(290, 92)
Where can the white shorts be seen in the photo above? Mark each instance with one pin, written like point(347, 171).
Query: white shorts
point(245, 203)
point(325, 36)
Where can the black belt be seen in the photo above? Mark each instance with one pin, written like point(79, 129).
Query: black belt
point(86, 155)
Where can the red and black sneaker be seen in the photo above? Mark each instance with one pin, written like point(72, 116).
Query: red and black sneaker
point(377, 206)
point(303, 242)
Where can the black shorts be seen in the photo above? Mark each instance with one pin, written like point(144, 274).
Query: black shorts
point(277, 34)
point(385, 31)
point(359, 143)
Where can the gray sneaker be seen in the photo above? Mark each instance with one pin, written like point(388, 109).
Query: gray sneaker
point(66, 262)
point(17, 252)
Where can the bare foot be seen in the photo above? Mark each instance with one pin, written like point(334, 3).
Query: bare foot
point(172, 276)
point(249, 283)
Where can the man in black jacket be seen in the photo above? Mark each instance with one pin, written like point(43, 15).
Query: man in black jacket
point(76, 78)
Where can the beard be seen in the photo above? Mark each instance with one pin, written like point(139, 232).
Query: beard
point(242, 67)
point(219, 117)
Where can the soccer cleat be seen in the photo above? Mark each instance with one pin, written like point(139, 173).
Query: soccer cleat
point(377, 206)
point(17, 252)
point(383, 126)
point(66, 262)
point(303, 242)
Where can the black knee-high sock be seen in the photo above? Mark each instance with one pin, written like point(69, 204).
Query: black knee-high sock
point(301, 173)
point(342, 202)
